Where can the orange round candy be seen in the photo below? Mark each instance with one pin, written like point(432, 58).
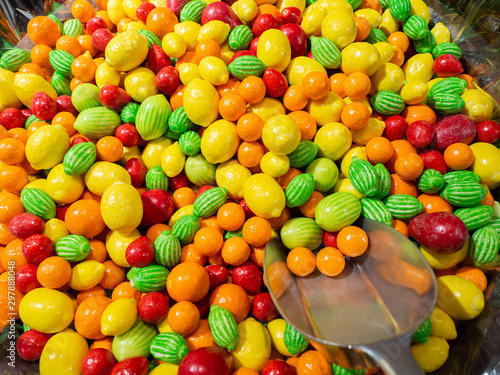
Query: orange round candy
point(43, 30)
point(84, 218)
point(188, 282)
point(235, 251)
point(379, 150)
point(82, 10)
point(409, 166)
point(230, 216)
point(355, 115)
point(249, 127)
point(458, 156)
point(316, 85)
point(233, 298)
point(208, 241)
point(252, 89)
point(53, 272)
point(330, 261)
point(352, 241)
point(161, 21)
point(232, 107)
point(357, 85)
point(257, 231)
point(183, 318)
point(301, 261)
point(88, 317)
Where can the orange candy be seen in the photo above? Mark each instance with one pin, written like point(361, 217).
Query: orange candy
point(315, 85)
point(337, 84)
point(257, 231)
point(434, 203)
point(208, 241)
point(190, 254)
point(84, 218)
point(301, 261)
point(352, 241)
point(88, 317)
point(232, 107)
point(184, 318)
point(249, 127)
point(401, 227)
point(400, 147)
point(294, 98)
point(355, 115)
point(474, 275)
point(11, 151)
point(409, 166)
point(43, 30)
point(357, 85)
point(188, 282)
point(363, 28)
point(161, 21)
point(400, 186)
point(10, 206)
point(125, 290)
point(206, 48)
point(231, 216)
point(83, 68)
point(13, 178)
point(113, 275)
point(252, 89)
point(109, 149)
point(313, 363)
point(419, 112)
point(66, 120)
point(307, 124)
point(458, 156)
point(82, 10)
point(40, 56)
point(53, 272)
point(183, 197)
point(330, 261)
point(235, 251)
point(201, 337)
point(233, 298)
point(69, 44)
point(250, 154)
point(379, 150)
point(400, 40)
point(95, 291)
point(308, 209)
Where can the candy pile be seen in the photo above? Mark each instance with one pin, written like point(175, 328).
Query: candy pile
point(150, 150)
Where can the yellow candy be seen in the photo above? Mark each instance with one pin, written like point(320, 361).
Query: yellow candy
point(135, 26)
point(339, 27)
point(140, 84)
point(301, 66)
point(201, 102)
point(311, 23)
point(119, 317)
point(371, 15)
point(273, 49)
point(358, 151)
point(419, 67)
point(213, 70)
point(419, 8)
point(8, 98)
point(388, 77)
point(188, 72)
point(246, 10)
point(281, 134)
point(86, 275)
point(115, 11)
point(440, 261)
point(345, 185)
point(28, 84)
point(478, 105)
point(151, 155)
point(221, 132)
point(63, 188)
point(486, 163)
point(121, 208)
point(129, 153)
point(385, 50)
point(254, 346)
point(186, 210)
point(264, 196)
point(442, 325)
point(226, 53)
point(130, 8)
point(459, 298)
point(174, 45)
point(46, 310)
point(47, 146)
point(335, 6)
point(388, 24)
point(414, 92)
point(276, 330)
point(117, 243)
point(106, 75)
point(103, 174)
point(189, 31)
point(374, 128)
point(333, 139)
point(159, 3)
point(55, 229)
point(165, 369)
point(163, 326)
point(274, 165)
point(432, 354)
point(126, 51)
point(63, 354)
point(441, 33)
point(367, 104)
point(327, 109)
point(267, 108)
point(172, 160)
point(232, 176)
point(282, 4)
point(360, 57)
point(432, 82)
point(216, 30)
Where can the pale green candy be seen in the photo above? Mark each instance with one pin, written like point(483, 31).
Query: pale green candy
point(199, 171)
point(325, 173)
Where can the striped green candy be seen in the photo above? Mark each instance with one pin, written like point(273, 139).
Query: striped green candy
point(325, 173)
point(30, 120)
point(208, 203)
point(79, 158)
point(85, 96)
point(475, 217)
point(167, 249)
point(156, 179)
point(224, 328)
point(73, 28)
point(301, 232)
point(199, 171)
point(403, 206)
point(129, 113)
point(376, 36)
point(339, 370)
point(190, 143)
point(423, 332)
point(387, 103)
point(61, 84)
point(385, 4)
point(240, 38)
point(400, 9)
point(39, 203)
point(450, 85)
point(179, 121)
point(148, 279)
point(416, 27)
point(169, 347)
point(485, 243)
point(61, 62)
point(325, 52)
point(446, 103)
point(173, 136)
point(431, 181)
point(152, 117)
point(73, 248)
point(152, 38)
point(303, 155)
point(464, 194)
point(14, 58)
point(185, 228)
point(454, 177)
point(337, 211)
point(97, 122)
point(246, 66)
point(355, 3)
point(426, 44)
point(447, 48)
point(384, 185)
point(310, 2)
point(233, 233)
point(56, 20)
point(294, 341)
point(495, 224)
point(299, 190)
point(374, 209)
point(192, 11)
point(363, 176)
point(135, 342)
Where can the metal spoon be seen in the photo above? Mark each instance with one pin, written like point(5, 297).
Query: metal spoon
point(374, 305)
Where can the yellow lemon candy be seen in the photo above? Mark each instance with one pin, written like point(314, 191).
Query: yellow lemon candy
point(281, 134)
point(419, 8)
point(117, 243)
point(486, 163)
point(63, 188)
point(115, 11)
point(165, 369)
point(339, 27)
point(232, 176)
point(301, 66)
point(374, 128)
point(334, 140)
point(360, 57)
point(106, 75)
point(86, 275)
point(442, 325)
point(358, 151)
point(432, 82)
point(221, 132)
point(47, 146)
point(459, 298)
point(213, 70)
point(189, 31)
point(345, 185)
point(130, 8)
point(126, 51)
point(135, 26)
point(385, 50)
point(35, 183)
point(419, 67)
point(8, 98)
point(432, 354)
point(121, 208)
point(174, 45)
point(414, 92)
point(103, 174)
point(216, 30)
point(140, 84)
point(46, 310)
point(63, 354)
point(282, 4)
point(371, 15)
point(186, 210)
point(172, 160)
point(388, 24)
point(129, 153)
point(335, 6)
point(246, 10)
point(119, 317)
point(55, 229)
point(254, 346)
point(311, 23)
point(276, 329)
point(163, 326)
point(201, 101)
point(226, 53)
point(267, 108)
point(274, 165)
point(478, 105)
point(159, 3)
point(440, 261)
point(273, 49)
point(388, 77)
point(188, 72)
point(264, 196)
point(327, 109)
point(441, 33)
point(151, 155)
point(28, 84)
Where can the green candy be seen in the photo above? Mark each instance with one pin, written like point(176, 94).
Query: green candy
point(294, 341)
point(339, 370)
point(485, 244)
point(475, 217)
point(30, 120)
point(301, 232)
point(431, 181)
point(61, 62)
point(246, 66)
point(325, 173)
point(416, 28)
point(240, 38)
point(79, 158)
point(97, 122)
point(446, 103)
point(39, 203)
point(179, 122)
point(384, 186)
point(447, 48)
point(192, 11)
point(61, 84)
point(208, 203)
point(403, 206)
point(14, 58)
point(135, 342)
point(355, 3)
point(73, 248)
point(156, 179)
point(185, 228)
point(450, 85)
point(325, 52)
point(169, 347)
point(151, 120)
point(400, 9)
point(464, 194)
point(426, 44)
point(148, 279)
point(337, 211)
point(72, 27)
point(303, 155)
point(376, 36)
point(423, 332)
point(374, 209)
point(129, 113)
point(199, 171)
point(152, 38)
point(167, 249)
point(461, 177)
point(224, 328)
point(363, 176)
point(85, 96)
point(190, 143)
point(299, 190)
point(387, 103)
point(234, 233)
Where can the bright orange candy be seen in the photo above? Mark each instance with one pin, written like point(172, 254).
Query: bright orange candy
point(32, 68)
point(109, 149)
point(155, 230)
point(201, 337)
point(245, 371)
point(82, 10)
point(231, 216)
point(176, 97)
point(66, 120)
point(284, 180)
point(84, 218)
point(400, 186)
point(206, 48)
point(230, 87)
point(419, 112)
point(475, 275)
point(43, 30)
point(184, 318)
point(409, 166)
point(337, 84)
point(113, 275)
point(53, 272)
point(401, 227)
point(398, 58)
point(313, 363)
point(188, 282)
point(357, 85)
point(257, 231)
point(11, 151)
point(83, 68)
point(208, 241)
point(308, 209)
point(98, 251)
point(316, 85)
point(69, 44)
point(352, 241)
point(249, 127)
point(232, 107)
point(86, 45)
point(125, 290)
point(294, 98)
point(96, 291)
point(355, 115)
point(458, 156)
point(400, 40)
point(40, 56)
point(233, 298)
point(307, 124)
point(161, 21)
point(88, 317)
point(400, 147)
point(252, 89)
point(190, 254)
point(10, 206)
point(301, 261)
point(250, 154)
point(235, 251)
point(379, 150)
point(434, 203)
point(363, 28)
point(13, 178)
point(330, 261)
point(183, 196)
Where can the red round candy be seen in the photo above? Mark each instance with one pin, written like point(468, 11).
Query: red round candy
point(434, 160)
point(488, 131)
point(248, 276)
point(447, 65)
point(153, 307)
point(12, 118)
point(263, 307)
point(37, 247)
point(26, 279)
point(98, 361)
point(31, 343)
point(395, 127)
point(26, 224)
point(131, 366)
point(264, 22)
point(276, 83)
point(140, 252)
point(218, 275)
point(420, 134)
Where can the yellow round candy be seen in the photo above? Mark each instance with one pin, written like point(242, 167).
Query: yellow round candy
point(335, 6)
point(301, 66)
point(345, 185)
point(414, 92)
point(63, 354)
point(55, 229)
point(486, 163)
point(374, 128)
point(254, 346)
point(129, 153)
point(327, 109)
point(151, 155)
point(8, 98)
point(281, 134)
point(231, 175)
point(86, 275)
point(419, 67)
point(333, 139)
point(135, 26)
point(126, 51)
point(267, 108)
point(264, 196)
point(213, 70)
point(246, 10)
point(431, 354)
point(106, 75)
point(189, 31)
point(172, 160)
point(119, 317)
point(441, 33)
point(273, 49)
point(442, 325)
point(47, 146)
point(440, 261)
point(140, 83)
point(165, 369)
point(226, 53)
point(216, 30)
point(478, 105)
point(371, 15)
point(276, 329)
point(311, 23)
point(419, 8)
point(63, 188)
point(360, 57)
point(388, 77)
point(121, 208)
point(46, 310)
point(340, 28)
point(219, 141)
point(385, 50)
point(358, 151)
point(174, 45)
point(201, 102)
point(115, 11)
point(186, 210)
point(274, 165)
point(130, 8)
point(388, 24)
point(117, 243)
point(459, 298)
point(26, 85)
point(103, 174)
point(188, 72)
point(282, 4)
